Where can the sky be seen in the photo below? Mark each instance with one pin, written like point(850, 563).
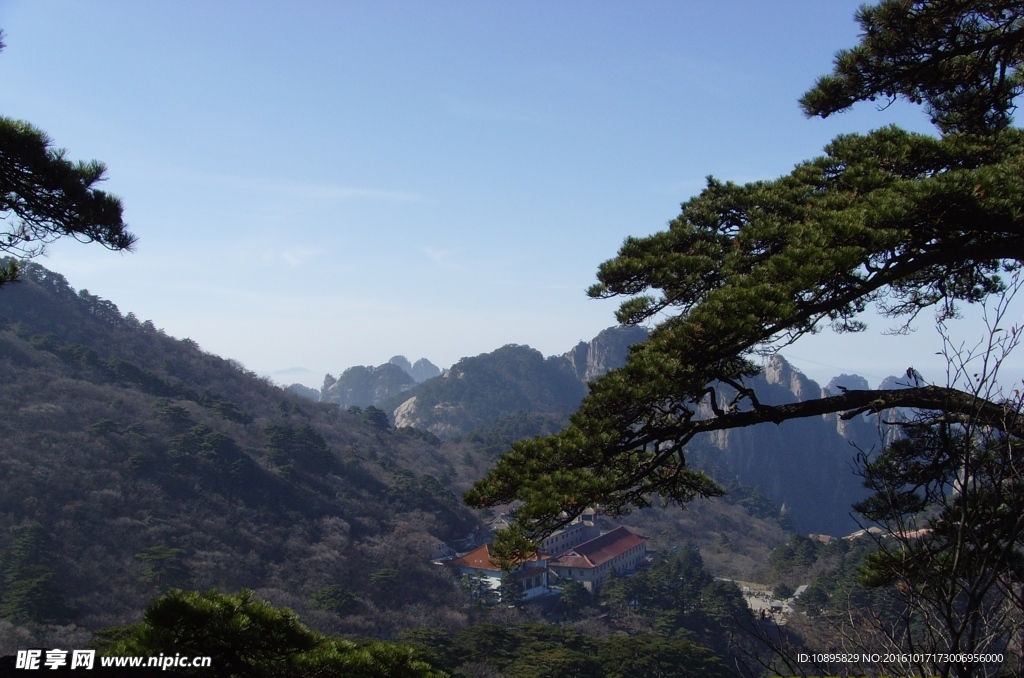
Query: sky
point(325, 184)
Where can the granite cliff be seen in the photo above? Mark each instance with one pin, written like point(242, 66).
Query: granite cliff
point(805, 466)
point(362, 385)
point(481, 390)
point(588, 360)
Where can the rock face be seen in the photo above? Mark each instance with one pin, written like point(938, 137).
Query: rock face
point(809, 464)
point(402, 362)
point(364, 386)
point(806, 465)
point(422, 370)
point(481, 390)
point(608, 350)
point(848, 382)
point(861, 432)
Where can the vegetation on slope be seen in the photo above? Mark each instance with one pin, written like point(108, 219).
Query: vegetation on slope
point(134, 462)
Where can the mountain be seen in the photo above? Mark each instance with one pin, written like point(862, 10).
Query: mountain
point(480, 391)
point(607, 351)
point(361, 386)
point(420, 371)
point(132, 462)
point(806, 466)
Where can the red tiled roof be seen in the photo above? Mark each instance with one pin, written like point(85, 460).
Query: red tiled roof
point(480, 559)
point(599, 550)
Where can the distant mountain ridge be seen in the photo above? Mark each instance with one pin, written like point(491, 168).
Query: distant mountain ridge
point(380, 386)
point(805, 467)
point(481, 390)
point(420, 371)
point(362, 386)
point(134, 462)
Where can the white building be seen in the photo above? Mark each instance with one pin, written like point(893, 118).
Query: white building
point(531, 575)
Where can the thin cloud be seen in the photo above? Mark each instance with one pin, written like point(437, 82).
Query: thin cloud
point(293, 371)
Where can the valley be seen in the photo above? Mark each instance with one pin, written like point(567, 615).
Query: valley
point(135, 463)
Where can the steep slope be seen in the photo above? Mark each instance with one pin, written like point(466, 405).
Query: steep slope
point(513, 380)
point(807, 465)
point(607, 351)
point(361, 386)
point(132, 462)
point(480, 390)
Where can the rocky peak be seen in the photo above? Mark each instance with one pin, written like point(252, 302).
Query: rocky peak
point(607, 351)
point(420, 371)
point(423, 369)
point(779, 372)
point(847, 382)
point(402, 362)
point(362, 386)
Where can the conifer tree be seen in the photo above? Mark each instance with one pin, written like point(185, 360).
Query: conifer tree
point(248, 638)
point(903, 221)
point(44, 197)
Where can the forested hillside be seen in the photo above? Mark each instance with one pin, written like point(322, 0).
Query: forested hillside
point(133, 462)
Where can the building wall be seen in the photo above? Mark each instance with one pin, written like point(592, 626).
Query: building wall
point(570, 536)
point(591, 577)
point(533, 582)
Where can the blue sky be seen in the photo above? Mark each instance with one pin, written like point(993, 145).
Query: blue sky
point(323, 184)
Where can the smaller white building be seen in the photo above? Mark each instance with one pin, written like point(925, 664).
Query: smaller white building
point(531, 576)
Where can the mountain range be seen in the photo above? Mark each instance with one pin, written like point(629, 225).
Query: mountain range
point(133, 462)
point(805, 467)
point(479, 390)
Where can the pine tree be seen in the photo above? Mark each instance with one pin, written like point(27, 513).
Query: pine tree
point(44, 197)
point(247, 637)
point(904, 221)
